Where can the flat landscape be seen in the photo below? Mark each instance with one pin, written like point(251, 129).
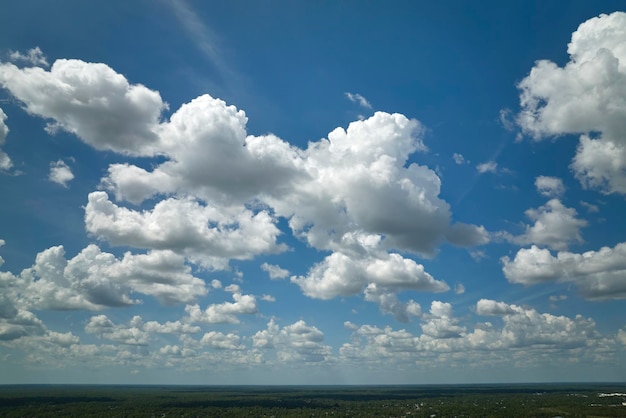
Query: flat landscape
point(519, 400)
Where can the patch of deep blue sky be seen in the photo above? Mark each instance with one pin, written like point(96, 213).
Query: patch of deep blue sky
point(451, 65)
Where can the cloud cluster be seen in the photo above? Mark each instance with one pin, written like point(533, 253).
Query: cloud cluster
point(218, 192)
point(584, 97)
point(443, 336)
point(137, 332)
point(525, 327)
point(441, 323)
point(95, 280)
point(205, 234)
point(16, 323)
point(598, 275)
point(297, 342)
point(389, 303)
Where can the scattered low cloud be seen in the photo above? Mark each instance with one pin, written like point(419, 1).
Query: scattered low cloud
point(441, 323)
point(60, 173)
point(488, 167)
point(298, 342)
point(268, 298)
point(459, 159)
point(550, 186)
point(390, 304)
point(556, 226)
point(275, 272)
point(493, 308)
point(137, 332)
point(598, 275)
point(445, 341)
point(223, 313)
point(220, 341)
point(341, 275)
point(95, 280)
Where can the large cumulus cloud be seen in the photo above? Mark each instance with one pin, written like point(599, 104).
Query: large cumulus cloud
point(90, 100)
point(586, 97)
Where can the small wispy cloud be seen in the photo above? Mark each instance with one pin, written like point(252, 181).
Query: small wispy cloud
point(488, 167)
point(360, 100)
point(33, 56)
point(477, 255)
point(590, 207)
point(507, 119)
point(200, 33)
point(458, 158)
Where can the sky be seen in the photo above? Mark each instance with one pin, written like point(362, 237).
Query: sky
point(294, 192)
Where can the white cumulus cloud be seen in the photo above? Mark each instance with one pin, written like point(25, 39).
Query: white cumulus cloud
point(556, 226)
point(91, 101)
point(298, 342)
point(341, 275)
point(550, 186)
point(584, 97)
point(60, 173)
point(598, 275)
point(94, 280)
point(441, 323)
point(390, 304)
point(205, 234)
point(223, 313)
point(275, 272)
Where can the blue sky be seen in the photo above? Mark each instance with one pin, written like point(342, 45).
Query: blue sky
point(312, 192)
